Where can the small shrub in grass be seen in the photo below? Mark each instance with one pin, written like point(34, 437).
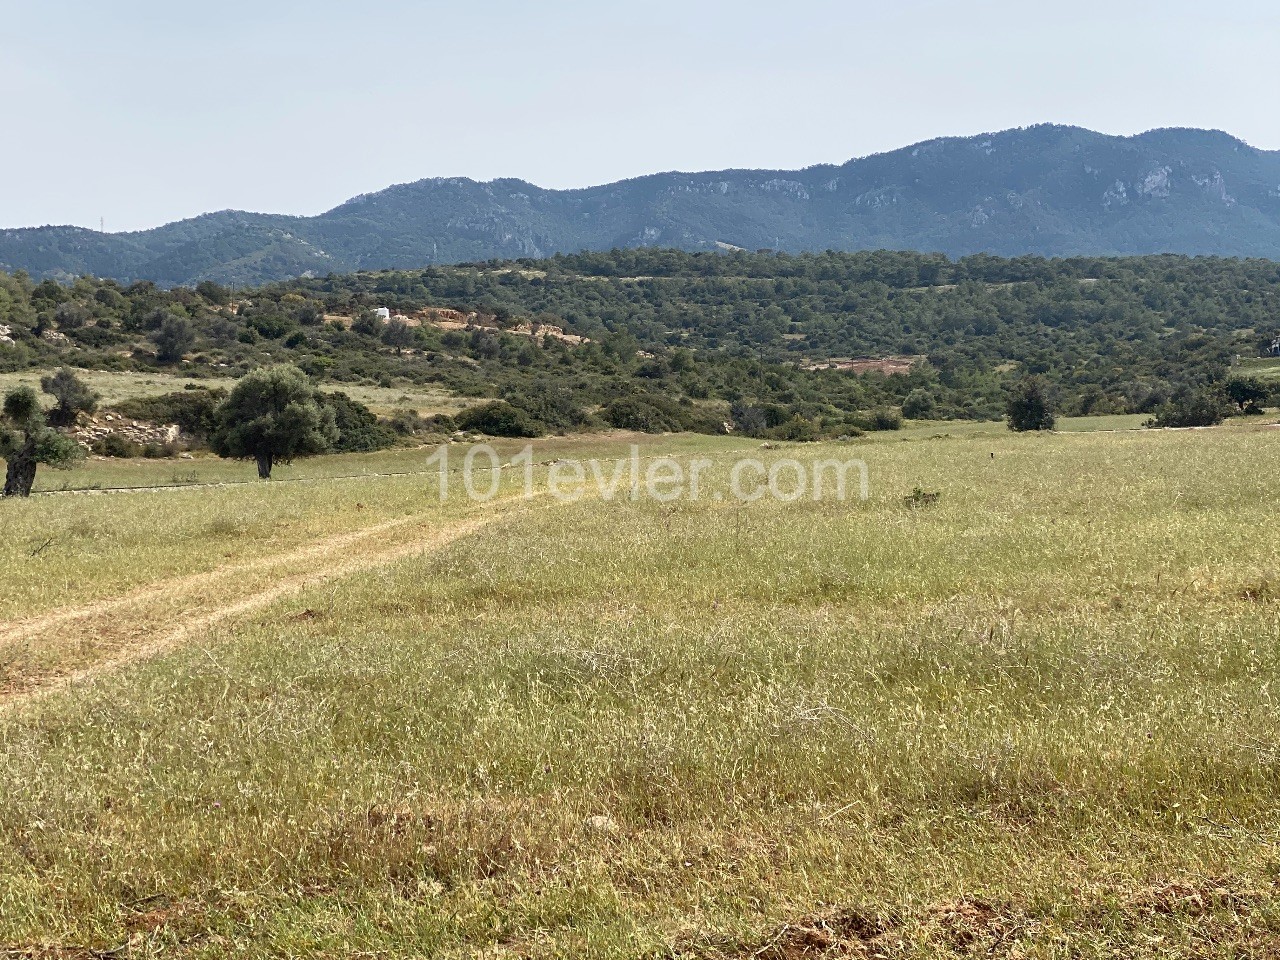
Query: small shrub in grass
point(160, 451)
point(497, 419)
point(797, 429)
point(1263, 590)
point(408, 423)
point(919, 498)
point(880, 419)
point(643, 414)
point(118, 446)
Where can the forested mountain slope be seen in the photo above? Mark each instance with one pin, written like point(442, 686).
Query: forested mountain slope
point(1048, 190)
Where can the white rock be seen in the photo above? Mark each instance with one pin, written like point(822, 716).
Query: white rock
point(1156, 184)
point(602, 825)
point(1117, 196)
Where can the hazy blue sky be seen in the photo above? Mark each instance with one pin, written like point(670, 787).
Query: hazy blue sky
point(141, 111)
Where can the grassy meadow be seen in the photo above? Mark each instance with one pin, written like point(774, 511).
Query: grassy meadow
point(1266, 368)
point(103, 473)
point(1033, 719)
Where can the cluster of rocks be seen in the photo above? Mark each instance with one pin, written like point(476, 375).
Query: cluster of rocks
point(447, 319)
point(91, 430)
point(544, 330)
point(6, 336)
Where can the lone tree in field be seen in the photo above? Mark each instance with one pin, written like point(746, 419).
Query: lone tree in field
point(1029, 407)
point(1247, 393)
point(26, 441)
point(273, 416)
point(73, 395)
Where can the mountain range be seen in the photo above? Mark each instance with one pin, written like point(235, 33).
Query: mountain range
point(1045, 190)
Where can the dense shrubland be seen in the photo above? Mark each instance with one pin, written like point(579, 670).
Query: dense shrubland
point(680, 341)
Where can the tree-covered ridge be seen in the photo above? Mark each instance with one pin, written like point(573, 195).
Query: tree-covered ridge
point(553, 384)
point(1119, 332)
point(663, 339)
point(1047, 190)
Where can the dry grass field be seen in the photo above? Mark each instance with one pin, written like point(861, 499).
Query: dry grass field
point(344, 718)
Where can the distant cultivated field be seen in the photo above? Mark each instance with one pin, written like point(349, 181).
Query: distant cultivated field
point(343, 718)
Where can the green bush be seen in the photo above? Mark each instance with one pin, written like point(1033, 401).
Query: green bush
point(441, 423)
point(882, 418)
point(1248, 394)
point(1205, 407)
point(642, 413)
point(408, 423)
point(118, 446)
point(96, 337)
point(192, 409)
point(919, 405)
point(549, 407)
point(797, 429)
point(271, 327)
point(159, 451)
point(1030, 406)
point(359, 431)
point(497, 419)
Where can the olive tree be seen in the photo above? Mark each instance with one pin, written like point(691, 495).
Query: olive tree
point(397, 334)
point(26, 441)
point(273, 416)
point(73, 397)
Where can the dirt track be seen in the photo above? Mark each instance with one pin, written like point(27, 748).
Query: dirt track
point(74, 644)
